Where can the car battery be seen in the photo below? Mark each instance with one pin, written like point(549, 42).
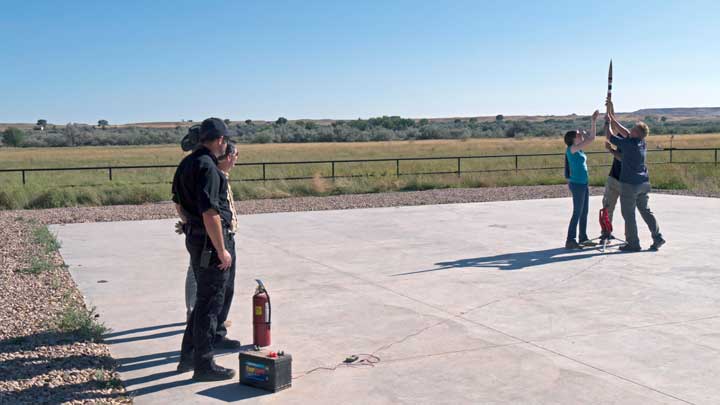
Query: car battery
point(266, 370)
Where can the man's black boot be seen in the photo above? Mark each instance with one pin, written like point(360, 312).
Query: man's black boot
point(185, 365)
point(227, 344)
point(186, 362)
point(213, 373)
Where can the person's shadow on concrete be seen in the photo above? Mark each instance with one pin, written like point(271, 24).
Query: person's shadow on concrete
point(145, 337)
point(126, 364)
point(159, 359)
point(114, 334)
point(514, 261)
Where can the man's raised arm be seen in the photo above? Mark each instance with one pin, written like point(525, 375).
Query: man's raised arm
point(619, 129)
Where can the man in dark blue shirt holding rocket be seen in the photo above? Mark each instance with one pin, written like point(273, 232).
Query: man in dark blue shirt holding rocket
point(634, 181)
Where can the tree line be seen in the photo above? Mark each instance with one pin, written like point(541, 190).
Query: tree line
point(384, 128)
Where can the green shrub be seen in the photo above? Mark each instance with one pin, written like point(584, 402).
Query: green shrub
point(44, 244)
point(38, 264)
point(8, 199)
point(81, 322)
point(673, 182)
point(132, 195)
point(13, 137)
point(88, 197)
point(53, 198)
point(46, 239)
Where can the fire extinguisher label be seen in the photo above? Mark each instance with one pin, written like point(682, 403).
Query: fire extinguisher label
point(258, 310)
point(267, 312)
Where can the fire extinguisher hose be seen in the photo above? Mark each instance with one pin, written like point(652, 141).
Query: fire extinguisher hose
point(269, 308)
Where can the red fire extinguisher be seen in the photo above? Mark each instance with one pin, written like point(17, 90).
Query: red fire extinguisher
point(261, 316)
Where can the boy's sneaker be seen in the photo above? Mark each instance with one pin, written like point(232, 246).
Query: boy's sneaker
point(656, 244)
point(630, 248)
point(570, 244)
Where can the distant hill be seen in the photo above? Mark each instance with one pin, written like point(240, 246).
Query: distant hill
point(671, 114)
point(695, 112)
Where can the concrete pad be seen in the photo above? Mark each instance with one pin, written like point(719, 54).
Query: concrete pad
point(465, 303)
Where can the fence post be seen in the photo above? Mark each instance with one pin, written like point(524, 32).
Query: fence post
point(716, 160)
point(516, 163)
point(333, 170)
point(671, 149)
point(23, 171)
point(110, 173)
point(397, 167)
point(458, 167)
point(263, 165)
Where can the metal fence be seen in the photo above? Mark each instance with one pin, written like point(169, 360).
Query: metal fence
point(333, 164)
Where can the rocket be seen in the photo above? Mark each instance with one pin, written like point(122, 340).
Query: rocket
point(609, 94)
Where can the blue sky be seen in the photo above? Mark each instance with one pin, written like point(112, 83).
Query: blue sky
point(135, 61)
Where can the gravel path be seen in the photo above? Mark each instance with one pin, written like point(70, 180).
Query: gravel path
point(39, 365)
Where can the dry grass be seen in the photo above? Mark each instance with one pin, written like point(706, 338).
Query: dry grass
point(46, 189)
point(171, 154)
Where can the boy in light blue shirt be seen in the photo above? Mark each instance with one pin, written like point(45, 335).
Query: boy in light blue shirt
point(576, 172)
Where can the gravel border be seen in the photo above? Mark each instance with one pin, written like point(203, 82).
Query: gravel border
point(37, 366)
point(338, 202)
point(294, 204)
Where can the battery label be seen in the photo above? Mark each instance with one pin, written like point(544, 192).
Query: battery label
point(257, 372)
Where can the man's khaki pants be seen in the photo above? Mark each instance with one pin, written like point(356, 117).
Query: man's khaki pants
point(611, 195)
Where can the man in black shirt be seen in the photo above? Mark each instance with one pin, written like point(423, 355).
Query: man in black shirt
point(200, 195)
point(612, 185)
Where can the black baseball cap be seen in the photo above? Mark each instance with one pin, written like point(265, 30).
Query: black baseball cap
point(213, 128)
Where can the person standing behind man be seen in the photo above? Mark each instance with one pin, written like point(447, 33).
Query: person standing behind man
point(200, 194)
point(634, 181)
point(576, 172)
point(612, 185)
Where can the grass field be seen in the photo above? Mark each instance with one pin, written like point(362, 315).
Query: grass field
point(131, 186)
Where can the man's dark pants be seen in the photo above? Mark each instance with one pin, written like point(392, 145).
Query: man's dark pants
point(215, 289)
